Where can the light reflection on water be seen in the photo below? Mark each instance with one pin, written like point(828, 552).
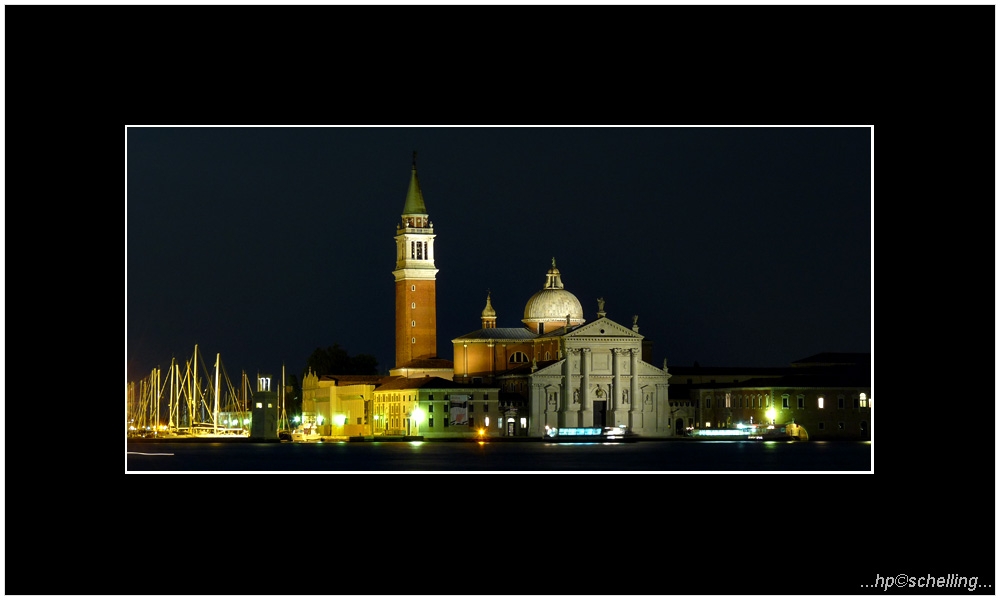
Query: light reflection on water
point(485, 456)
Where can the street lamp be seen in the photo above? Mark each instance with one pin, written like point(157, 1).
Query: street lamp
point(418, 415)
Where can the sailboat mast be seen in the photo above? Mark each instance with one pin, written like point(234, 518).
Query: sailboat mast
point(215, 413)
point(195, 387)
point(175, 405)
point(159, 394)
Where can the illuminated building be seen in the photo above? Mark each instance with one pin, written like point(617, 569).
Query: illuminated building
point(555, 370)
point(560, 371)
point(416, 285)
point(829, 394)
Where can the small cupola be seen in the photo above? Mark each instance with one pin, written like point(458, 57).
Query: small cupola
point(489, 315)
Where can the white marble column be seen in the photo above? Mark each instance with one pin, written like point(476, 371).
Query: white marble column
point(537, 410)
point(621, 409)
point(634, 397)
point(586, 406)
point(569, 411)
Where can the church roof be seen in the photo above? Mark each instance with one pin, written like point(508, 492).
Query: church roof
point(414, 197)
point(835, 358)
point(353, 379)
point(561, 331)
point(415, 383)
point(427, 363)
point(499, 333)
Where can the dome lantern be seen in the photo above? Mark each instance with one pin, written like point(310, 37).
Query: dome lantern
point(553, 306)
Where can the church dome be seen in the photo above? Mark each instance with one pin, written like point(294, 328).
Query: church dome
point(552, 304)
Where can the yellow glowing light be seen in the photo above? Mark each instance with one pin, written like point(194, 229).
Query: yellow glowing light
point(771, 413)
point(418, 415)
point(340, 420)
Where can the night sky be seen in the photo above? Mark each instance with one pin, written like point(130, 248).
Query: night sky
point(735, 246)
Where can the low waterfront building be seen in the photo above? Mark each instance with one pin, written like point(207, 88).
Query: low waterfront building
point(829, 394)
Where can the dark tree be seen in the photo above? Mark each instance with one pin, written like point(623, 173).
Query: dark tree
point(334, 360)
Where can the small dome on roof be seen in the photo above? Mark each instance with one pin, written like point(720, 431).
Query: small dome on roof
point(488, 311)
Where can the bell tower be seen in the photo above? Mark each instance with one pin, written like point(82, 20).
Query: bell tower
point(415, 275)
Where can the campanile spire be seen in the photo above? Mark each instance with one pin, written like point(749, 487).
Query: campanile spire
point(416, 278)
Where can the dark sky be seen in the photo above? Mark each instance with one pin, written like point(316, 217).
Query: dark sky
point(735, 246)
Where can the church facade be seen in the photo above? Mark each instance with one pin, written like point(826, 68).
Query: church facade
point(562, 371)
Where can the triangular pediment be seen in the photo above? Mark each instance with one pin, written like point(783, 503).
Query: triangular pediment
point(603, 328)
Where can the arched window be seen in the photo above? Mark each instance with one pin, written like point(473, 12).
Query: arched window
point(519, 357)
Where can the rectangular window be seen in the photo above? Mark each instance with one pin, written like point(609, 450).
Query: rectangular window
point(472, 422)
point(430, 422)
point(822, 425)
point(472, 407)
point(802, 402)
point(728, 400)
point(486, 407)
point(819, 401)
point(784, 402)
point(840, 402)
point(445, 421)
point(359, 420)
point(856, 403)
point(708, 403)
point(486, 395)
point(840, 425)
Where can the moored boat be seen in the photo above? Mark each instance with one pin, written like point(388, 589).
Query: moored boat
point(306, 432)
point(752, 432)
point(585, 435)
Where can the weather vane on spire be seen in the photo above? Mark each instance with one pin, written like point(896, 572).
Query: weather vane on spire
point(553, 262)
